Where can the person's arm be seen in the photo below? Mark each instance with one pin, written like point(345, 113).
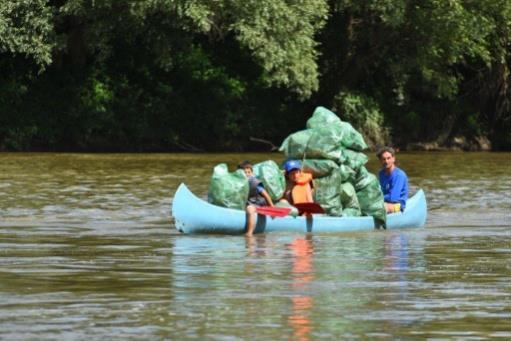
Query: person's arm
point(394, 195)
point(266, 196)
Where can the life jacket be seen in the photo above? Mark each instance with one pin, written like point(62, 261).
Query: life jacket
point(302, 189)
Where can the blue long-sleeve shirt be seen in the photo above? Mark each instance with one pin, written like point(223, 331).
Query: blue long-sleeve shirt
point(394, 186)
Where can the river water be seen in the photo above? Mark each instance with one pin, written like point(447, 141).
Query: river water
point(88, 250)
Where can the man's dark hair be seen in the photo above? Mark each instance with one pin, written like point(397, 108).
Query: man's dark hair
point(385, 149)
point(245, 164)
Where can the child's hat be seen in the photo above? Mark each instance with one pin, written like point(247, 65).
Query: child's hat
point(291, 165)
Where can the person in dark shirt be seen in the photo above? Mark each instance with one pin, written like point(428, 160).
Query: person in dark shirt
point(257, 196)
point(393, 181)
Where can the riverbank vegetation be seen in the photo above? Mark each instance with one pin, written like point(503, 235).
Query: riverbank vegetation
point(202, 75)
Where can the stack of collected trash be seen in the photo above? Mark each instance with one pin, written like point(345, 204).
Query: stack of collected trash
point(231, 189)
point(331, 150)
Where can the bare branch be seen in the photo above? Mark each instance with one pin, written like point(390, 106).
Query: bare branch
point(187, 147)
point(272, 146)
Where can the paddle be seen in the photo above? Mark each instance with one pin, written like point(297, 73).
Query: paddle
point(309, 208)
point(273, 211)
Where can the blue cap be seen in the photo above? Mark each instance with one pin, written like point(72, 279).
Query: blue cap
point(291, 165)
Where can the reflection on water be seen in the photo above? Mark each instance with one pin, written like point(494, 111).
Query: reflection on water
point(302, 275)
point(88, 251)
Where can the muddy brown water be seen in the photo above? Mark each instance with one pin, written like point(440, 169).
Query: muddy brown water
point(88, 250)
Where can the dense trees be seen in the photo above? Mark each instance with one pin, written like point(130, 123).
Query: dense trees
point(207, 75)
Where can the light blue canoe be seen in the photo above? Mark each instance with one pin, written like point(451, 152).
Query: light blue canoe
point(194, 215)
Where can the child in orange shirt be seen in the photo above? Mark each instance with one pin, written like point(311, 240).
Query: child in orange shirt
point(299, 187)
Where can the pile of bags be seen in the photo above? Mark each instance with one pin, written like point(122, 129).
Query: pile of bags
point(331, 150)
point(231, 189)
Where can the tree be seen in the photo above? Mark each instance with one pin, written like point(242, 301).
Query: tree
point(414, 57)
point(26, 28)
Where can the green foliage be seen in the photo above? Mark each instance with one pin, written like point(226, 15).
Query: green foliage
point(473, 126)
point(281, 36)
point(411, 123)
point(365, 115)
point(26, 28)
point(419, 57)
point(207, 75)
point(19, 138)
point(278, 34)
point(425, 37)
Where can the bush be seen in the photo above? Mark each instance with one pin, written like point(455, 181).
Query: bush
point(365, 115)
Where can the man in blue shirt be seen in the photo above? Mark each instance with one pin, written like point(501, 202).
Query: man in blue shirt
point(393, 181)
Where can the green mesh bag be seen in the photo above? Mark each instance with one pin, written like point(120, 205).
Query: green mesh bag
point(228, 189)
point(323, 117)
point(370, 199)
point(327, 193)
point(319, 168)
point(350, 137)
point(349, 201)
point(347, 174)
point(351, 212)
point(272, 178)
point(320, 143)
point(361, 179)
point(354, 159)
point(294, 145)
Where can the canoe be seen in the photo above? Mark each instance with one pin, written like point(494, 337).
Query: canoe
point(194, 215)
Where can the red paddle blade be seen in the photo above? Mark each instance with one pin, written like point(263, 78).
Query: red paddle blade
point(309, 207)
point(273, 211)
